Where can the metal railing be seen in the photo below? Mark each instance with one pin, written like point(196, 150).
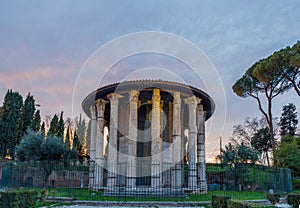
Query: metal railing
point(97, 182)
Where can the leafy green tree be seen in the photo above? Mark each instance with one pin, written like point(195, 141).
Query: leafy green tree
point(288, 153)
point(237, 159)
point(260, 83)
point(288, 120)
point(254, 133)
point(288, 60)
point(33, 146)
point(9, 125)
point(234, 155)
point(36, 123)
point(261, 141)
point(292, 72)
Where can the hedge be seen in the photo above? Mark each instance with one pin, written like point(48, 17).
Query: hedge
point(18, 199)
point(241, 204)
point(293, 200)
point(273, 198)
point(219, 201)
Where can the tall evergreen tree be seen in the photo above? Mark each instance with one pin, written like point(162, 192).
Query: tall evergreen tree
point(36, 123)
point(288, 120)
point(81, 129)
point(9, 125)
point(53, 130)
point(76, 142)
point(43, 129)
point(27, 113)
point(61, 126)
point(68, 139)
point(77, 146)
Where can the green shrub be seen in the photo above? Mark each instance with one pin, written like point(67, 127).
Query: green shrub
point(296, 184)
point(18, 199)
point(241, 204)
point(253, 205)
point(273, 198)
point(44, 195)
point(53, 193)
point(293, 200)
point(235, 204)
point(219, 201)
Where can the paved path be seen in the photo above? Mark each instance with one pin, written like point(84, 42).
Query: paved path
point(82, 206)
point(77, 206)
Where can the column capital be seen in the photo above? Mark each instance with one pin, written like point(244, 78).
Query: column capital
point(134, 96)
point(176, 98)
point(113, 97)
point(156, 98)
point(100, 102)
point(93, 112)
point(192, 101)
point(100, 106)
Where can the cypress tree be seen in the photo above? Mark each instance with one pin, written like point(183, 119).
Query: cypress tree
point(27, 114)
point(81, 129)
point(68, 140)
point(76, 142)
point(61, 126)
point(36, 123)
point(43, 128)
point(9, 125)
point(288, 120)
point(53, 130)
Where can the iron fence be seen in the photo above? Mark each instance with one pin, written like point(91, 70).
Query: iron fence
point(92, 181)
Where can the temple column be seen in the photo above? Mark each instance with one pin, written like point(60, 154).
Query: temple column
point(132, 138)
point(100, 106)
point(192, 169)
point(156, 144)
point(113, 139)
point(92, 145)
point(167, 144)
point(93, 132)
point(177, 140)
point(202, 184)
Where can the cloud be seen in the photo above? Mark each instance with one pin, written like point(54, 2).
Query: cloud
point(44, 43)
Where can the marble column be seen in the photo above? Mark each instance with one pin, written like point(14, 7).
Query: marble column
point(93, 132)
point(202, 184)
point(167, 145)
point(113, 139)
point(92, 147)
point(132, 138)
point(156, 144)
point(192, 169)
point(177, 143)
point(100, 106)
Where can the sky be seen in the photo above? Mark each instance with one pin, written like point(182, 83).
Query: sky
point(44, 45)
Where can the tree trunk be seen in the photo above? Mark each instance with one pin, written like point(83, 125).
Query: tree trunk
point(268, 160)
point(270, 123)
